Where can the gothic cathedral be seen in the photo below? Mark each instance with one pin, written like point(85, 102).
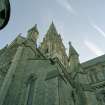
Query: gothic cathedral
point(46, 75)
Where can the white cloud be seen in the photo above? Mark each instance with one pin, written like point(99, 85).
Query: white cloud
point(98, 29)
point(65, 4)
point(93, 48)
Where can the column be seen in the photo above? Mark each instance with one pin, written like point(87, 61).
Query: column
point(9, 75)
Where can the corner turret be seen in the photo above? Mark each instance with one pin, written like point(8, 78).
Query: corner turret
point(33, 34)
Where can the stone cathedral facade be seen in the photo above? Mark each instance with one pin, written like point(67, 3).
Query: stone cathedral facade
point(46, 75)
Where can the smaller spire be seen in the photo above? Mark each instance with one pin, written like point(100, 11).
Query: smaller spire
point(33, 33)
point(72, 51)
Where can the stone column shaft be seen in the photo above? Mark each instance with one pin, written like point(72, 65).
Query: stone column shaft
point(26, 95)
point(8, 78)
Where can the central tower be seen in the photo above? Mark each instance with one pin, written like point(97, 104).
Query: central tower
point(52, 45)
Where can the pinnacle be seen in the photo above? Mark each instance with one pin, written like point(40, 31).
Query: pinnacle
point(34, 28)
point(72, 50)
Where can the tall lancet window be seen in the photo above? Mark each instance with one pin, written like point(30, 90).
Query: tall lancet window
point(30, 89)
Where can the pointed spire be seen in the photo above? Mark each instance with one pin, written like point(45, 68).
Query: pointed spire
point(72, 51)
point(52, 30)
point(33, 33)
point(52, 44)
point(52, 25)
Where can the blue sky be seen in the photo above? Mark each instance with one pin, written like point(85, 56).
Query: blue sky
point(80, 21)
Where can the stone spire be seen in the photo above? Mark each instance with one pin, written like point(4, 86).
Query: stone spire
point(52, 44)
point(33, 34)
point(52, 32)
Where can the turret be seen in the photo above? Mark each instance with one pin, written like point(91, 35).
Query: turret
point(72, 52)
point(73, 58)
point(33, 34)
